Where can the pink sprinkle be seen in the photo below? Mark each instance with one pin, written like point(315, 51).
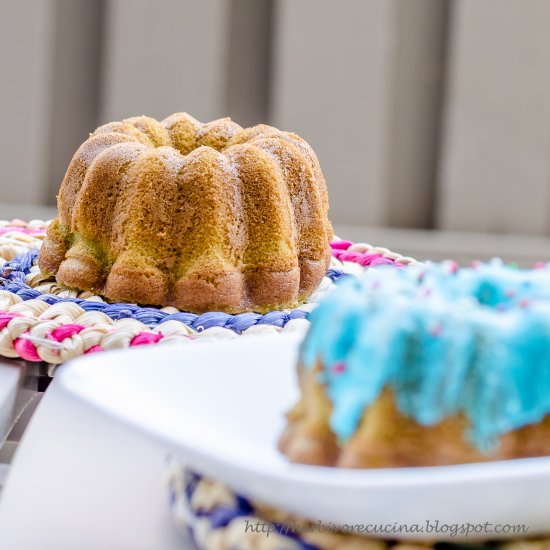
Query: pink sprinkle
point(453, 266)
point(510, 293)
point(475, 264)
point(66, 331)
point(144, 338)
point(436, 330)
point(426, 292)
point(339, 368)
point(94, 349)
point(26, 349)
point(6, 317)
point(523, 303)
point(540, 265)
point(340, 245)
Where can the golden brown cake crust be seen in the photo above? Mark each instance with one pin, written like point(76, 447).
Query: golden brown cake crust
point(385, 438)
point(202, 217)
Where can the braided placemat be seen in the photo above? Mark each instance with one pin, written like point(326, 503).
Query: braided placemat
point(41, 320)
point(217, 519)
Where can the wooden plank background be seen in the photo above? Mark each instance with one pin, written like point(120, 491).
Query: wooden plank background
point(495, 171)
point(430, 117)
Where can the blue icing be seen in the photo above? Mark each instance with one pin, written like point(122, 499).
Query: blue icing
point(446, 341)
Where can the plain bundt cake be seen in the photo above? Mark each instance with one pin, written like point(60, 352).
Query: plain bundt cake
point(202, 217)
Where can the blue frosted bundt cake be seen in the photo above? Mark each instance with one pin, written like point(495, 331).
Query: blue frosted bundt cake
point(202, 217)
point(426, 365)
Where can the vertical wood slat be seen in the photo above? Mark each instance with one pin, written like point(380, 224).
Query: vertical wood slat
point(496, 164)
point(360, 81)
point(75, 86)
point(249, 61)
point(317, 96)
point(416, 111)
point(210, 59)
point(48, 83)
point(164, 57)
point(26, 39)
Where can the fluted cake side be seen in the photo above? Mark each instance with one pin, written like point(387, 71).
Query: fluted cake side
point(198, 216)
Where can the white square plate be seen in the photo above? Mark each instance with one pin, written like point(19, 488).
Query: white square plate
point(221, 406)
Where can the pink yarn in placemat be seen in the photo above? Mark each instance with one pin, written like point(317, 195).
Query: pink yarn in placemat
point(26, 349)
point(21, 227)
point(94, 349)
point(66, 331)
point(340, 252)
point(144, 338)
point(6, 317)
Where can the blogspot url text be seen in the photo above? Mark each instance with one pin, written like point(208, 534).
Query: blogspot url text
point(429, 527)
